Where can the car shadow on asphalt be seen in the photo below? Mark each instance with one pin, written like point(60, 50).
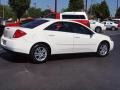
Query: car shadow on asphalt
point(15, 58)
point(21, 58)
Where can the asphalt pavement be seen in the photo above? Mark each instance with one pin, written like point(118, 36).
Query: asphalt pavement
point(62, 72)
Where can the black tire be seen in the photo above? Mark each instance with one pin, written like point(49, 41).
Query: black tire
point(103, 49)
point(113, 28)
point(98, 29)
point(42, 51)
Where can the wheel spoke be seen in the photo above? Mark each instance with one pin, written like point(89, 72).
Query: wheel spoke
point(103, 49)
point(40, 53)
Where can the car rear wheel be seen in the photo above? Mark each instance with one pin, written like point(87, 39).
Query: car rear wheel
point(98, 29)
point(103, 49)
point(113, 28)
point(39, 53)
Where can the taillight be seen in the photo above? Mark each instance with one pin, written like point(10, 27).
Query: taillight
point(18, 33)
point(118, 25)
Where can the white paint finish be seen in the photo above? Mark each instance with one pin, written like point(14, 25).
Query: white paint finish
point(84, 43)
point(94, 24)
point(60, 42)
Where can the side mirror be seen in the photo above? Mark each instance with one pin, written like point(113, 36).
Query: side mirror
point(91, 35)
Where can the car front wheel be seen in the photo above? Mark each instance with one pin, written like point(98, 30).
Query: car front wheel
point(98, 29)
point(103, 49)
point(39, 53)
point(113, 28)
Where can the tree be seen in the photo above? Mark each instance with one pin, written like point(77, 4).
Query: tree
point(75, 5)
point(19, 6)
point(94, 10)
point(100, 10)
point(7, 12)
point(34, 12)
point(104, 10)
point(117, 15)
point(46, 12)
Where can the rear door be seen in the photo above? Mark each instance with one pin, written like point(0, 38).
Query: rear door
point(60, 36)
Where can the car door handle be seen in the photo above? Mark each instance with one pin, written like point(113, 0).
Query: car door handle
point(51, 35)
point(77, 37)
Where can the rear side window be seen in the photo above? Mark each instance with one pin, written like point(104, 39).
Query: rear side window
point(73, 17)
point(60, 26)
point(26, 21)
point(34, 23)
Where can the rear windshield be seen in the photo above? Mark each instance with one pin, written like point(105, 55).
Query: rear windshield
point(34, 23)
point(26, 21)
point(73, 16)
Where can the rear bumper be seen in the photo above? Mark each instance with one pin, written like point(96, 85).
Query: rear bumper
point(18, 46)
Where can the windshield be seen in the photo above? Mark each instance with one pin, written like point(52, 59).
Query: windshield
point(34, 23)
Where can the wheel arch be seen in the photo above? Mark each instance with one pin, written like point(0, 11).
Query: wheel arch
point(104, 41)
point(98, 27)
point(39, 43)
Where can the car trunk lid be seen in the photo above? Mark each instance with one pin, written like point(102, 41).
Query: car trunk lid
point(10, 31)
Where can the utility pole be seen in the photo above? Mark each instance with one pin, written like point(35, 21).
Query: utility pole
point(91, 7)
point(3, 9)
point(55, 5)
point(86, 5)
point(35, 4)
point(117, 5)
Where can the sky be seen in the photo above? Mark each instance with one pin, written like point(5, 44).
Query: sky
point(44, 4)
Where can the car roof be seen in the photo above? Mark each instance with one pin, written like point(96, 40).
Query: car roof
point(75, 13)
point(49, 19)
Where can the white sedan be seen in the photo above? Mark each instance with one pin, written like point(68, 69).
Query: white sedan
point(110, 25)
point(96, 26)
point(44, 37)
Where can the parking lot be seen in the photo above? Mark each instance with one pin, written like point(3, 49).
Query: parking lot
point(62, 72)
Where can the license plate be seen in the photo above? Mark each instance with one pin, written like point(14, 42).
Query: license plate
point(4, 42)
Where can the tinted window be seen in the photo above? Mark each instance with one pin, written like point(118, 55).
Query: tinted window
point(60, 26)
point(73, 16)
point(34, 23)
point(80, 29)
point(26, 21)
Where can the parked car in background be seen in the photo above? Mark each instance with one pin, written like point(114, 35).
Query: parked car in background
point(110, 25)
point(18, 23)
point(52, 15)
point(96, 26)
point(80, 17)
point(45, 37)
point(117, 21)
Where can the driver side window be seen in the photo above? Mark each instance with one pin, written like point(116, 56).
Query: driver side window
point(77, 28)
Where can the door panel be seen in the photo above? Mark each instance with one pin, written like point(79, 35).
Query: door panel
point(84, 43)
point(62, 42)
